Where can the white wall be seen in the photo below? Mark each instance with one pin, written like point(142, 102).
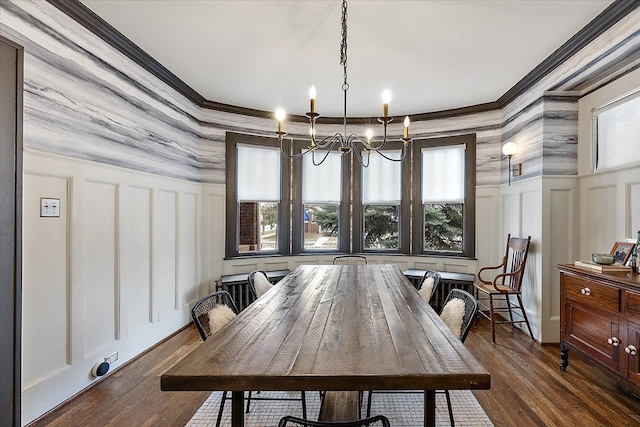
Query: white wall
point(610, 199)
point(117, 271)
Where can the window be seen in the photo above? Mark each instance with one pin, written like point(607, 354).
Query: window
point(257, 200)
point(444, 196)
point(423, 204)
point(321, 202)
point(616, 132)
point(381, 219)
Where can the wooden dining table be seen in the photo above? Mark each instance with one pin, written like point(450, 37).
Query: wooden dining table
point(335, 328)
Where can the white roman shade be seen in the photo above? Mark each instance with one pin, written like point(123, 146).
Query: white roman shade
point(381, 180)
point(443, 174)
point(618, 132)
point(258, 173)
point(323, 183)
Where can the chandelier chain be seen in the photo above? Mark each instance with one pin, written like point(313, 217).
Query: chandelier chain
point(343, 45)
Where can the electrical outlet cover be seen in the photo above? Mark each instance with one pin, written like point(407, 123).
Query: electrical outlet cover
point(49, 207)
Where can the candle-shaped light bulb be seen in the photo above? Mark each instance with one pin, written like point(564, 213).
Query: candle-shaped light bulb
point(386, 97)
point(280, 115)
point(369, 134)
point(312, 98)
point(406, 127)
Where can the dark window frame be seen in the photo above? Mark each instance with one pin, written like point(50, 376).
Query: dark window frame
point(404, 228)
point(344, 224)
point(232, 204)
point(469, 212)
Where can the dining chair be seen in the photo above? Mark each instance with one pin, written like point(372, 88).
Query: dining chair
point(258, 283)
point(468, 315)
point(506, 284)
point(350, 260)
point(200, 315)
point(257, 287)
point(425, 282)
point(378, 420)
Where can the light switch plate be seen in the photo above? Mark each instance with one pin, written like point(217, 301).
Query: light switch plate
point(49, 207)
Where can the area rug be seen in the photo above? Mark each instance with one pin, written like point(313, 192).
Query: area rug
point(403, 410)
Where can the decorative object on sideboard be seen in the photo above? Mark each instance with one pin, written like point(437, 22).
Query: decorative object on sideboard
point(622, 251)
point(509, 149)
point(343, 142)
point(605, 259)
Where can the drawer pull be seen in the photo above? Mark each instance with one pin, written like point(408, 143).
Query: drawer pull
point(614, 341)
point(631, 350)
point(585, 291)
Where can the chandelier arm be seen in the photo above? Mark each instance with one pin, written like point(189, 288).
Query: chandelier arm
point(328, 141)
point(404, 152)
point(366, 144)
point(361, 158)
point(313, 156)
point(294, 156)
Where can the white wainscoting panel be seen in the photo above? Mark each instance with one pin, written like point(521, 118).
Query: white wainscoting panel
point(188, 257)
point(560, 245)
point(632, 211)
point(137, 260)
point(601, 217)
point(100, 282)
point(165, 257)
point(46, 319)
point(489, 242)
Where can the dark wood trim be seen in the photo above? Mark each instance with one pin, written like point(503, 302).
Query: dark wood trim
point(598, 25)
point(469, 219)
point(297, 216)
point(344, 231)
point(87, 18)
point(11, 245)
point(231, 238)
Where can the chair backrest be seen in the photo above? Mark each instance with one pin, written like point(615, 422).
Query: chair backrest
point(436, 281)
point(515, 259)
point(378, 420)
point(201, 309)
point(350, 260)
point(252, 285)
point(470, 309)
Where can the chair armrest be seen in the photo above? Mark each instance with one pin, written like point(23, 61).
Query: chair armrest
point(502, 275)
point(504, 260)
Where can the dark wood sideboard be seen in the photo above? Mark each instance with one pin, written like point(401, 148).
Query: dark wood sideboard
point(600, 321)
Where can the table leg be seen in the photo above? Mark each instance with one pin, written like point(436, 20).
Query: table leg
point(237, 409)
point(429, 408)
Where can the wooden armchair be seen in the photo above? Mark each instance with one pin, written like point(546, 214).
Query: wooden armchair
point(506, 284)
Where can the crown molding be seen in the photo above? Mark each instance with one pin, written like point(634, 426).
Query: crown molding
point(598, 25)
point(98, 26)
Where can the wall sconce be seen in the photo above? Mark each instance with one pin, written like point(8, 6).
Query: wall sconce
point(509, 149)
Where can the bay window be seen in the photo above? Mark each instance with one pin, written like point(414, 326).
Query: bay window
point(423, 204)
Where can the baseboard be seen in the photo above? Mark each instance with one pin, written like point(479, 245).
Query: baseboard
point(90, 386)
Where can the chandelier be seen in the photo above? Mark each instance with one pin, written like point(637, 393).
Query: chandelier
point(344, 142)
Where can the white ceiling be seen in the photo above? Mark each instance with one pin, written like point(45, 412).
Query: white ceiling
point(432, 55)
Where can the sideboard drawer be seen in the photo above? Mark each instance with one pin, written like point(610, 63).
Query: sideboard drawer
point(592, 293)
point(632, 307)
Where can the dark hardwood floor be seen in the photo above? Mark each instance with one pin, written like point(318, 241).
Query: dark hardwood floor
point(527, 388)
